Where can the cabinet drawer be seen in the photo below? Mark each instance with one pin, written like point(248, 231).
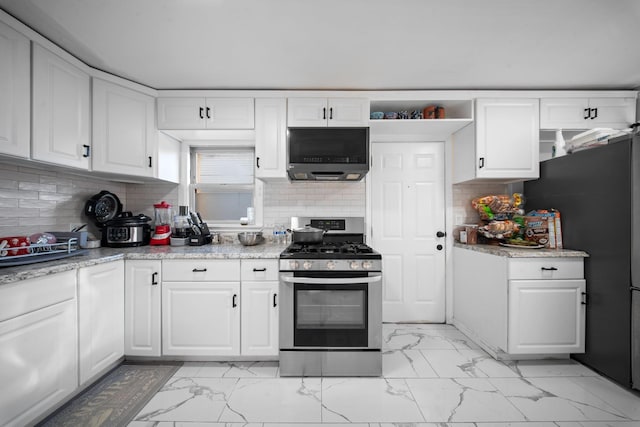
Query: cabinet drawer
point(193, 270)
point(546, 268)
point(32, 294)
point(259, 269)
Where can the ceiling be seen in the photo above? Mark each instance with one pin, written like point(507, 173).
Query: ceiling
point(349, 44)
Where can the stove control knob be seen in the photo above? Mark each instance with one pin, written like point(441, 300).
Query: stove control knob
point(331, 265)
point(307, 265)
point(367, 265)
point(354, 265)
point(293, 265)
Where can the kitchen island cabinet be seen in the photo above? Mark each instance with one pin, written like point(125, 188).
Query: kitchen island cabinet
point(39, 346)
point(502, 144)
point(100, 318)
point(520, 303)
point(60, 111)
point(14, 93)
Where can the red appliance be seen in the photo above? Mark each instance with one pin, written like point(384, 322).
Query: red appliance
point(162, 231)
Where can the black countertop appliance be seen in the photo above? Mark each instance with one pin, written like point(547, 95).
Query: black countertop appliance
point(597, 192)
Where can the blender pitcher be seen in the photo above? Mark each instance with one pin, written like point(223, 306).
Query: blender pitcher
point(162, 231)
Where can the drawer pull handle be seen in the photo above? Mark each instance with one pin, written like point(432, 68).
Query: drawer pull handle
point(154, 278)
point(260, 269)
point(274, 300)
point(584, 298)
point(199, 270)
point(234, 303)
point(549, 268)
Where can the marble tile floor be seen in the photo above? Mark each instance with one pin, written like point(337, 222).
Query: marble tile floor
point(433, 376)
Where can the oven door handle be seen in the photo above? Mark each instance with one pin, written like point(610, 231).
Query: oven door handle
point(333, 281)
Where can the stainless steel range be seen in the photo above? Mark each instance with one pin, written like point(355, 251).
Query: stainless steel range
point(331, 303)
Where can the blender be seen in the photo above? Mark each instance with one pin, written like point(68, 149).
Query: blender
point(162, 231)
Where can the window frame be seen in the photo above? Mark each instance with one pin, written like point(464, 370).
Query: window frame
point(186, 193)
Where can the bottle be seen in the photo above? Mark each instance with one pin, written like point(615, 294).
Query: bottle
point(559, 145)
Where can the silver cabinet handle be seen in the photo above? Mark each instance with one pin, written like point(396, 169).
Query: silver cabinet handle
point(321, 281)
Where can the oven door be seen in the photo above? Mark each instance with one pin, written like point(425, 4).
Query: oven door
point(330, 310)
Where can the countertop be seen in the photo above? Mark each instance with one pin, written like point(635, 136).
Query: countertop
point(523, 253)
point(102, 255)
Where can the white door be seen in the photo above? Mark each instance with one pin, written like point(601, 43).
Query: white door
point(181, 113)
point(348, 112)
point(307, 112)
point(229, 113)
point(407, 201)
point(271, 138)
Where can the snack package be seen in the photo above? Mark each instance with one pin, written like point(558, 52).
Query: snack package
point(499, 229)
point(541, 228)
point(499, 206)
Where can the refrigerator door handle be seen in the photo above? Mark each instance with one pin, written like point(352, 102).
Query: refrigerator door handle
point(634, 288)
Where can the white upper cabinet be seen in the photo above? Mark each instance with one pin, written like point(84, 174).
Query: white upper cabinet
point(319, 112)
point(271, 138)
point(587, 113)
point(502, 144)
point(14, 93)
point(124, 135)
point(205, 113)
point(60, 121)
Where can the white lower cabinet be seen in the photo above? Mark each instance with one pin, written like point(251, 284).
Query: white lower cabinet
point(546, 316)
point(142, 308)
point(100, 317)
point(200, 318)
point(220, 307)
point(520, 306)
point(38, 346)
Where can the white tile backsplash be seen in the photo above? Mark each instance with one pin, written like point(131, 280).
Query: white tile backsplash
point(282, 200)
point(463, 213)
point(35, 199)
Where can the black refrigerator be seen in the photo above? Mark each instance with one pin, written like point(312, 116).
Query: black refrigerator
point(597, 192)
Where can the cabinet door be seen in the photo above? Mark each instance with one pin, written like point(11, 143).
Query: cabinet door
point(14, 93)
point(616, 113)
point(564, 113)
point(546, 316)
point(60, 111)
point(181, 113)
point(168, 154)
point(348, 112)
point(124, 136)
point(38, 362)
point(200, 318)
point(142, 308)
point(229, 113)
point(259, 319)
point(100, 317)
point(271, 138)
point(307, 112)
point(507, 138)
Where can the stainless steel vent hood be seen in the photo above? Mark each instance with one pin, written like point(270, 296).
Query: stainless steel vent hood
point(328, 154)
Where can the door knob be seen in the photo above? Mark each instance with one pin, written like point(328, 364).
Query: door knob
point(441, 234)
point(439, 247)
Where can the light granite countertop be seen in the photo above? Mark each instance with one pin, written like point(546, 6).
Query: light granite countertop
point(102, 255)
point(523, 253)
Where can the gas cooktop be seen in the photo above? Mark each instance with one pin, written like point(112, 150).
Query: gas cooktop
point(345, 250)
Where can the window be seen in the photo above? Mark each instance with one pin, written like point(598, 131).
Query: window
point(222, 183)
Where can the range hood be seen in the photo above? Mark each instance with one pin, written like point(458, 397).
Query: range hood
point(328, 154)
